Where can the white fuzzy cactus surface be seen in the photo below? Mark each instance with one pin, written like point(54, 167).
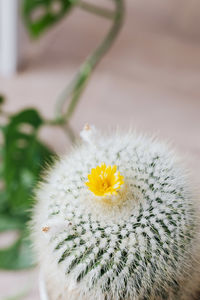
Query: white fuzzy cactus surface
point(116, 219)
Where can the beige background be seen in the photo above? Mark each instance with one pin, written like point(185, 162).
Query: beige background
point(150, 80)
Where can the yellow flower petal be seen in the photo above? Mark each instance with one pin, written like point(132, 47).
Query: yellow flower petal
point(104, 180)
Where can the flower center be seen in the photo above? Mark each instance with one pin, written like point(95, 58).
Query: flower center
point(104, 180)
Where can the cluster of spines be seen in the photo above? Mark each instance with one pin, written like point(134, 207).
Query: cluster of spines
point(135, 257)
point(89, 247)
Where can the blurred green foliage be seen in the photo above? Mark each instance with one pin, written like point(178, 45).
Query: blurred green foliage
point(22, 158)
point(22, 155)
point(40, 15)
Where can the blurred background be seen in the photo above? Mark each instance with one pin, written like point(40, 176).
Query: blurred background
point(149, 80)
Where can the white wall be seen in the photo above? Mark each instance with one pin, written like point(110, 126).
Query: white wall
point(9, 37)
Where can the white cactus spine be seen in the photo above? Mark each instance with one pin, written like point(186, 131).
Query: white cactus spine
point(141, 247)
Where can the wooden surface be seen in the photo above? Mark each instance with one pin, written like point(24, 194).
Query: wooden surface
point(150, 80)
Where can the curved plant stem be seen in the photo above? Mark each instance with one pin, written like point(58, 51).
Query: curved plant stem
point(76, 87)
point(103, 12)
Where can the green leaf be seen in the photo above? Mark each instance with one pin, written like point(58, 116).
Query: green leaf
point(29, 116)
point(22, 158)
point(18, 256)
point(2, 99)
point(8, 222)
point(40, 15)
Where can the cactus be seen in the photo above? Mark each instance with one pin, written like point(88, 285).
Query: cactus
point(116, 220)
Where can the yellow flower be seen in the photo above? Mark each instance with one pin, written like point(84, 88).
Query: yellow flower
point(104, 180)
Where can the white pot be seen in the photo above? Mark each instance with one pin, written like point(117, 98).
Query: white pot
point(42, 287)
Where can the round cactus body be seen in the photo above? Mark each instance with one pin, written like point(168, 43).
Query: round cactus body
point(115, 220)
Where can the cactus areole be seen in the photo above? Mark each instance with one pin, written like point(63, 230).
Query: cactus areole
point(115, 220)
